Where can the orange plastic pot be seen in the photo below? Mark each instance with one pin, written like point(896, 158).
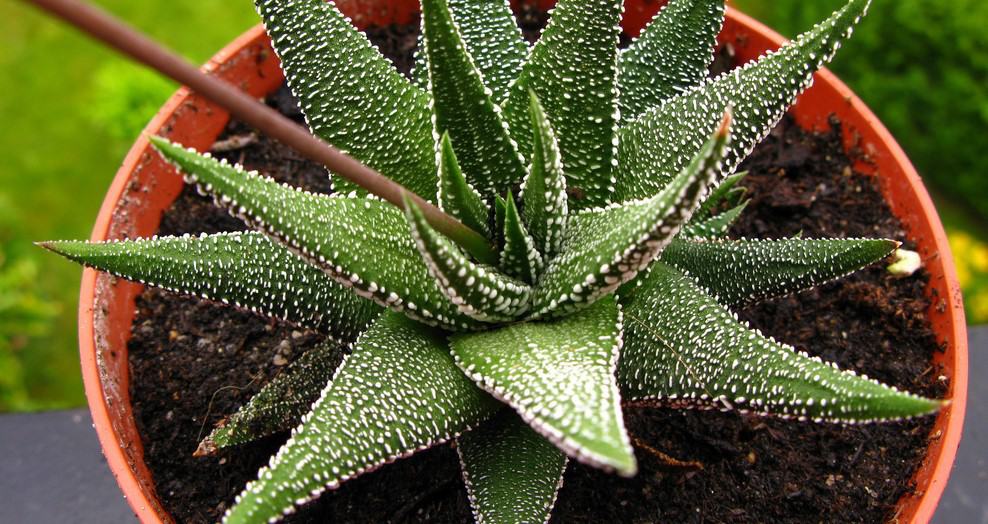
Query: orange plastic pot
point(145, 186)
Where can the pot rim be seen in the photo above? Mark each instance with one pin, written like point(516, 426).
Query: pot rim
point(946, 434)
point(947, 430)
point(110, 441)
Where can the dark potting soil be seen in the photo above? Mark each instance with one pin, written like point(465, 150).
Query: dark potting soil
point(194, 362)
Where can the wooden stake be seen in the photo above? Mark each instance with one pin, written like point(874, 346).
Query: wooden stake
point(127, 40)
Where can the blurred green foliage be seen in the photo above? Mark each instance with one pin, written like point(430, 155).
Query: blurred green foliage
point(71, 109)
point(24, 314)
point(125, 96)
point(922, 67)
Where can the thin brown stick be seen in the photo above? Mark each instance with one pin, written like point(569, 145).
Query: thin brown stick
point(118, 35)
point(667, 461)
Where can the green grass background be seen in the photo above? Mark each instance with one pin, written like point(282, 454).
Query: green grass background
point(69, 110)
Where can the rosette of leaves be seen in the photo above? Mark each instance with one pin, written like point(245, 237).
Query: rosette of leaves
point(604, 181)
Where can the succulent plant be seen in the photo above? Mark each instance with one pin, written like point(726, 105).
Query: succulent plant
point(604, 181)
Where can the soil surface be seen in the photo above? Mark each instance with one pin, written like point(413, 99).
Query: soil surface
point(193, 362)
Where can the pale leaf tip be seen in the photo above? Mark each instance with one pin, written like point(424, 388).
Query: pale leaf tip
point(724, 128)
point(206, 448)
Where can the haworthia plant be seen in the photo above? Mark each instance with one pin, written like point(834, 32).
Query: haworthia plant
point(281, 403)
point(511, 473)
point(247, 270)
point(605, 181)
point(683, 348)
point(656, 145)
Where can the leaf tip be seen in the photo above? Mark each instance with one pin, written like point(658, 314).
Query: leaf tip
point(160, 142)
point(206, 448)
point(61, 247)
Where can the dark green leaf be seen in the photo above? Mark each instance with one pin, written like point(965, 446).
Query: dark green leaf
point(606, 248)
point(573, 69)
point(682, 348)
point(520, 258)
point(671, 55)
point(743, 271)
point(559, 376)
point(491, 37)
point(480, 292)
point(655, 147)
point(398, 392)
point(281, 403)
point(245, 269)
point(512, 474)
point(362, 243)
point(352, 97)
point(544, 190)
point(464, 108)
point(715, 226)
point(727, 192)
point(456, 196)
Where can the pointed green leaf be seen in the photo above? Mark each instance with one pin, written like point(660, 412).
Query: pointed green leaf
point(464, 108)
point(573, 69)
point(397, 393)
point(352, 97)
point(683, 348)
point(520, 258)
point(655, 146)
point(362, 243)
point(481, 292)
point(512, 474)
point(603, 249)
point(544, 189)
point(671, 55)
point(245, 269)
point(727, 191)
point(456, 196)
point(491, 36)
point(281, 403)
point(559, 376)
point(715, 226)
point(743, 271)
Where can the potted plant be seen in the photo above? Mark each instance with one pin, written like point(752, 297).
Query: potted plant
point(533, 251)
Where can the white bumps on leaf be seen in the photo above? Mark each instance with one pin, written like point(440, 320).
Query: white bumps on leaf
point(559, 376)
point(281, 403)
point(512, 474)
point(544, 190)
point(492, 39)
point(361, 243)
point(573, 70)
point(397, 393)
point(738, 272)
point(654, 147)
point(684, 349)
point(480, 292)
point(351, 96)
point(246, 270)
point(603, 249)
point(463, 106)
point(672, 55)
point(520, 257)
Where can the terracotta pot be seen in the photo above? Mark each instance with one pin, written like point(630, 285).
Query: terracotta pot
point(145, 186)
